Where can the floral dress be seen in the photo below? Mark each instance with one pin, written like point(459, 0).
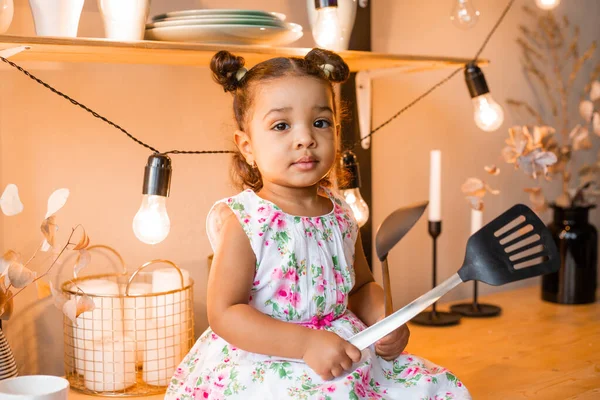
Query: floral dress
point(304, 274)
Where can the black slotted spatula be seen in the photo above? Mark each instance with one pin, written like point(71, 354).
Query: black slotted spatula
point(515, 245)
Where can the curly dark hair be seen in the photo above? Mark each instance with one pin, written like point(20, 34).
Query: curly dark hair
point(226, 67)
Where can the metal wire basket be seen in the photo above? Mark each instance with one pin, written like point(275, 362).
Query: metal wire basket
point(140, 330)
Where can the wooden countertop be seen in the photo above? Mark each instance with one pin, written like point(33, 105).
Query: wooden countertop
point(534, 350)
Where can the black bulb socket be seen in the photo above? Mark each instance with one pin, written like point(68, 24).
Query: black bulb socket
point(325, 3)
point(475, 80)
point(157, 175)
point(351, 171)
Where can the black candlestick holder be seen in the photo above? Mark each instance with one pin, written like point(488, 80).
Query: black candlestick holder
point(476, 309)
point(435, 317)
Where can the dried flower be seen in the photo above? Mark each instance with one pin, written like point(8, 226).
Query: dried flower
point(492, 169)
point(528, 152)
point(10, 202)
point(15, 273)
point(474, 190)
point(553, 60)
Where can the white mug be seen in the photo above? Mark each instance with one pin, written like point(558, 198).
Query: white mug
point(124, 19)
point(34, 387)
point(56, 17)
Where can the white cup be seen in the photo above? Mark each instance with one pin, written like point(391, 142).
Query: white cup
point(34, 387)
point(56, 17)
point(124, 19)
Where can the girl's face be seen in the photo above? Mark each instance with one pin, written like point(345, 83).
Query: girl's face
point(292, 131)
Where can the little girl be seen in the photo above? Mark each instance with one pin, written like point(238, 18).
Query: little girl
point(289, 282)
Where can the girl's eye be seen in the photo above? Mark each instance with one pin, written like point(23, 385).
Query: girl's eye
point(282, 126)
point(322, 123)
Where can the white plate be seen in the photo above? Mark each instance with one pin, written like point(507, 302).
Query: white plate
point(216, 21)
point(227, 34)
point(221, 12)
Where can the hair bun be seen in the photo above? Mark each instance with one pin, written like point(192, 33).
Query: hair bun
point(340, 71)
point(224, 67)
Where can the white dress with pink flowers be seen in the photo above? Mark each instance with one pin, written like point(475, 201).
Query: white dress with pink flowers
point(304, 273)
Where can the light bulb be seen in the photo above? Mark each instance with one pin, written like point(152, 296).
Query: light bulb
point(547, 4)
point(350, 188)
point(327, 30)
point(464, 15)
point(488, 114)
point(357, 204)
point(151, 224)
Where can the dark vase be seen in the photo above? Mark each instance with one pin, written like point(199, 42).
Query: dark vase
point(577, 241)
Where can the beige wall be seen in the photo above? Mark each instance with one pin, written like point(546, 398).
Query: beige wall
point(46, 143)
point(445, 121)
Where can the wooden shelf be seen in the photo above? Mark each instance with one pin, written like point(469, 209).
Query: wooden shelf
point(191, 54)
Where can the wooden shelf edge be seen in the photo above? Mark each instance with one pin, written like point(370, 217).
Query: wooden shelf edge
point(96, 50)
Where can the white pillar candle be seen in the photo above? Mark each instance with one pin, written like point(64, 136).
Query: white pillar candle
point(164, 341)
point(137, 313)
point(168, 305)
point(435, 186)
point(162, 355)
point(476, 220)
point(111, 366)
point(105, 320)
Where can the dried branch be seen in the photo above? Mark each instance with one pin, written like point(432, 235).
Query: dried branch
point(51, 266)
point(573, 50)
point(528, 108)
point(528, 50)
point(533, 37)
point(579, 62)
point(533, 70)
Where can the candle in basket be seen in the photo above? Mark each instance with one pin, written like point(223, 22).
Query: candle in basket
point(105, 320)
point(111, 366)
point(164, 340)
point(137, 313)
point(162, 354)
point(435, 186)
point(169, 306)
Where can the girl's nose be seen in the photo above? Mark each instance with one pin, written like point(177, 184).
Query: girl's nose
point(305, 139)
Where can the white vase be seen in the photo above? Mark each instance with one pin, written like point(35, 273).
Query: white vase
point(8, 367)
point(124, 20)
point(346, 14)
point(7, 9)
point(56, 17)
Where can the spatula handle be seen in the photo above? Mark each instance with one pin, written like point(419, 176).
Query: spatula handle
point(375, 332)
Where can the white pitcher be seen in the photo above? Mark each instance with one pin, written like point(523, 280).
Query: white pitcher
point(56, 17)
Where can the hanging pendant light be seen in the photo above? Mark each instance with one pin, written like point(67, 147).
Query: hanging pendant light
point(351, 189)
point(327, 29)
point(464, 15)
point(488, 114)
point(151, 223)
point(547, 4)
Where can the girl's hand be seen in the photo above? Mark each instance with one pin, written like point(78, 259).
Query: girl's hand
point(328, 354)
point(392, 345)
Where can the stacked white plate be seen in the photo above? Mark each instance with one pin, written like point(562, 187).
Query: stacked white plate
point(226, 26)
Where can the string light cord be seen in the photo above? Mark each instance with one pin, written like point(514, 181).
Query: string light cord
point(154, 150)
point(443, 81)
